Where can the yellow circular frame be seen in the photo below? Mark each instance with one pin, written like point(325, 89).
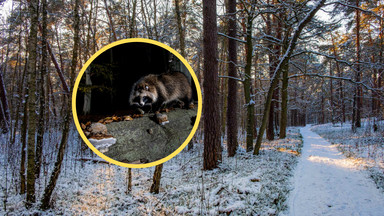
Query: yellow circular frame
point(199, 108)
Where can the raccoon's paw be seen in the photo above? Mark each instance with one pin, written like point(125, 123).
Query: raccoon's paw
point(177, 104)
point(181, 104)
point(140, 111)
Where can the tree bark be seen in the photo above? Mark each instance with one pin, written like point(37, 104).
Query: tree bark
point(272, 66)
point(322, 119)
point(331, 94)
point(23, 187)
point(273, 62)
point(19, 92)
point(31, 101)
point(210, 85)
point(247, 87)
point(284, 94)
point(155, 20)
point(156, 179)
point(5, 120)
point(88, 93)
point(180, 28)
point(232, 83)
point(44, 63)
point(23, 137)
point(129, 180)
point(132, 21)
point(356, 116)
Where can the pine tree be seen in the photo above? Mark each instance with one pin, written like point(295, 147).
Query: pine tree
point(232, 82)
point(210, 85)
point(31, 101)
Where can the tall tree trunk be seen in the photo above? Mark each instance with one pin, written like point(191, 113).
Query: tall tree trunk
point(19, 92)
point(44, 63)
point(331, 94)
point(45, 202)
point(88, 35)
point(88, 92)
point(356, 116)
point(155, 21)
point(256, 96)
point(132, 21)
point(210, 85)
point(272, 66)
point(155, 187)
point(223, 90)
point(30, 101)
point(5, 120)
point(232, 83)
point(284, 94)
point(23, 130)
point(375, 95)
point(180, 28)
point(380, 71)
point(23, 152)
point(273, 62)
point(284, 60)
point(247, 86)
point(129, 180)
point(322, 106)
point(5, 117)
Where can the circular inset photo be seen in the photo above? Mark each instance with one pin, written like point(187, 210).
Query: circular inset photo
point(136, 103)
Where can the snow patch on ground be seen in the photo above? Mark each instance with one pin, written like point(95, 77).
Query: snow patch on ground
point(102, 144)
point(242, 185)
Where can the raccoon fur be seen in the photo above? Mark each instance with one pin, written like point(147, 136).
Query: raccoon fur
point(156, 91)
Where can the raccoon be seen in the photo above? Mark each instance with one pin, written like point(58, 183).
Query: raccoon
point(157, 91)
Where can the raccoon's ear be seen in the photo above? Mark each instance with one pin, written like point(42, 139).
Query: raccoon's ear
point(146, 87)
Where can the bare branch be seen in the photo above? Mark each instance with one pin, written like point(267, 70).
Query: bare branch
point(230, 77)
point(339, 78)
point(358, 8)
point(227, 36)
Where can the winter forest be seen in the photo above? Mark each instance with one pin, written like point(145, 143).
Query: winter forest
point(292, 117)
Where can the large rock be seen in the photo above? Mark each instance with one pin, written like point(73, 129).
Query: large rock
point(145, 140)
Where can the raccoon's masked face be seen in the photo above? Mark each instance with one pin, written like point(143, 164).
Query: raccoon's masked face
point(144, 95)
point(142, 101)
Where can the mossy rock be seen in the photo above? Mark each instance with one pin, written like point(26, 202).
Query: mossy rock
point(145, 140)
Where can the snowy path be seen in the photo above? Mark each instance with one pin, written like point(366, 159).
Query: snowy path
point(326, 183)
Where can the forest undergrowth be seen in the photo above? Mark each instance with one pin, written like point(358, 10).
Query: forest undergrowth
point(242, 185)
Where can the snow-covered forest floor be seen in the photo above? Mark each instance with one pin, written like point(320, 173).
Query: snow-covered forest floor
point(365, 147)
point(242, 185)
